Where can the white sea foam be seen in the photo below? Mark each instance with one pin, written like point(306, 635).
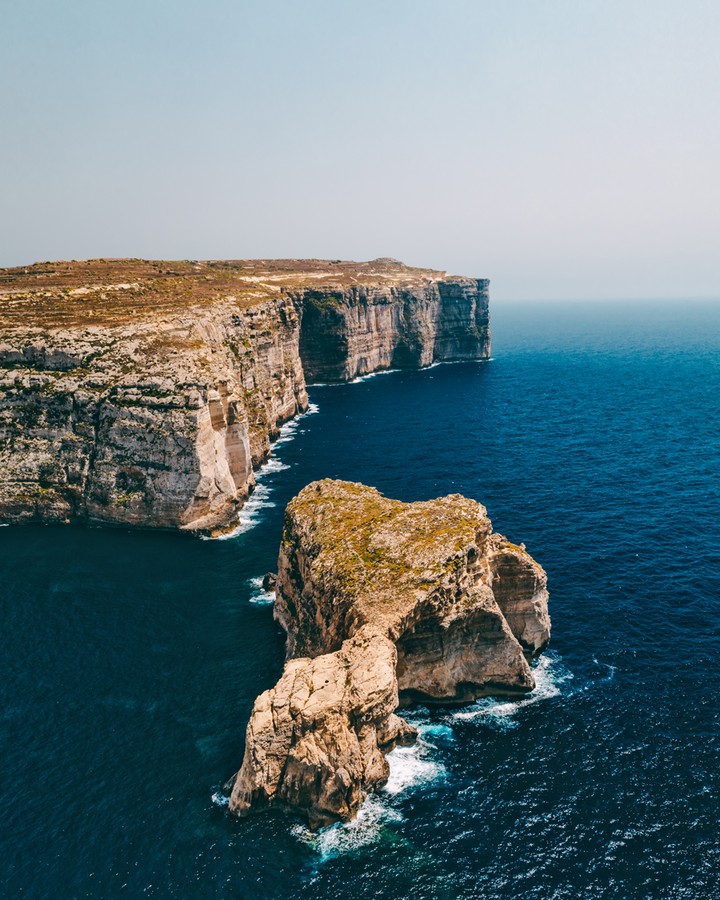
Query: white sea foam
point(373, 375)
point(412, 766)
point(345, 837)
point(454, 362)
point(418, 766)
point(272, 465)
point(433, 365)
point(291, 428)
point(220, 799)
point(251, 512)
point(550, 675)
point(259, 595)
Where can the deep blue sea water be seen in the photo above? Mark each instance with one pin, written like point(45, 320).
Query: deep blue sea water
point(130, 661)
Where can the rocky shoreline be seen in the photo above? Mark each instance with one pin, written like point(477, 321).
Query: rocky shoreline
point(383, 603)
point(144, 394)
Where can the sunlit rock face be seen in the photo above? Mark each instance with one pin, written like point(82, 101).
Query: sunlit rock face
point(366, 328)
point(383, 603)
point(143, 393)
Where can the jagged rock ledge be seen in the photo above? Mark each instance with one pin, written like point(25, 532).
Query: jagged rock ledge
point(384, 603)
point(145, 393)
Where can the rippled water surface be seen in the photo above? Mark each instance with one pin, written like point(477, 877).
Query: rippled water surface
point(129, 662)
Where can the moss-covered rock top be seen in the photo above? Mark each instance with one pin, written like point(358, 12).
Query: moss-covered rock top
point(382, 554)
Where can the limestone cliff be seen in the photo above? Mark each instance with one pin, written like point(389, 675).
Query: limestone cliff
point(145, 393)
point(361, 329)
point(383, 603)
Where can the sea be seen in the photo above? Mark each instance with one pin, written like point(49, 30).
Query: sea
point(130, 661)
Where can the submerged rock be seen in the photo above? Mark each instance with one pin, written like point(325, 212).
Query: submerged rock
point(384, 603)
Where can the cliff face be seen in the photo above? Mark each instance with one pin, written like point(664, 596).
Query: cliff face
point(159, 424)
point(144, 394)
point(383, 603)
point(351, 332)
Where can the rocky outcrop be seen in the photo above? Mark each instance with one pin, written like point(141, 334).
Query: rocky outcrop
point(142, 393)
point(384, 603)
point(315, 741)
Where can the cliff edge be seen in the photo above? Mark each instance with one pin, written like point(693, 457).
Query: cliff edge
point(384, 603)
point(145, 393)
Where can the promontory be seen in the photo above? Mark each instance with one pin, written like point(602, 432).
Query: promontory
point(384, 603)
point(145, 393)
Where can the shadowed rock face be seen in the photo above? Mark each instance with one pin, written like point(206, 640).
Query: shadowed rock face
point(143, 393)
point(383, 602)
point(351, 332)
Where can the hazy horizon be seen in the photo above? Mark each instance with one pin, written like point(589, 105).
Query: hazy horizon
point(564, 150)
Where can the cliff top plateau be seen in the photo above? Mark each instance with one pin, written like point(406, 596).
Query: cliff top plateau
point(119, 291)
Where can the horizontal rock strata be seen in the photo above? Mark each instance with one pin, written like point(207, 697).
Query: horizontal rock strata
point(144, 393)
point(384, 603)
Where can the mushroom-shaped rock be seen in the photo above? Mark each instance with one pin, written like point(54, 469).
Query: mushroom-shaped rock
point(383, 603)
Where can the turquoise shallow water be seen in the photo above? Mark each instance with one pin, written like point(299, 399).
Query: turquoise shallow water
point(129, 662)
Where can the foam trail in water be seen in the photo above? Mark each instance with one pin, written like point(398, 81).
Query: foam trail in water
point(413, 766)
point(345, 837)
point(373, 375)
point(550, 674)
point(611, 670)
point(602, 679)
point(259, 594)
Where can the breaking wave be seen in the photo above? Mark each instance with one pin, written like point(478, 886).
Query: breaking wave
point(290, 428)
point(222, 801)
point(421, 765)
point(373, 375)
point(259, 595)
point(410, 767)
point(550, 675)
point(414, 766)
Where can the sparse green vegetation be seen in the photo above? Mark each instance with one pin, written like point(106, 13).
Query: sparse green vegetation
point(122, 291)
point(382, 550)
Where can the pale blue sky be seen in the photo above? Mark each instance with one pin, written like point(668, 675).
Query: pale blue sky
point(562, 148)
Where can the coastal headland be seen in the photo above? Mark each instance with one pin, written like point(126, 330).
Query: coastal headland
point(146, 393)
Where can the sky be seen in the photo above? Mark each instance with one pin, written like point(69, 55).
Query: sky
point(565, 149)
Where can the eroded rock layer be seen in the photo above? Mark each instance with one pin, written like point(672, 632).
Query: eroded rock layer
point(145, 393)
point(383, 602)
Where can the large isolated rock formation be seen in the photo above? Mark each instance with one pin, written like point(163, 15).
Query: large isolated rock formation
point(384, 603)
point(144, 393)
